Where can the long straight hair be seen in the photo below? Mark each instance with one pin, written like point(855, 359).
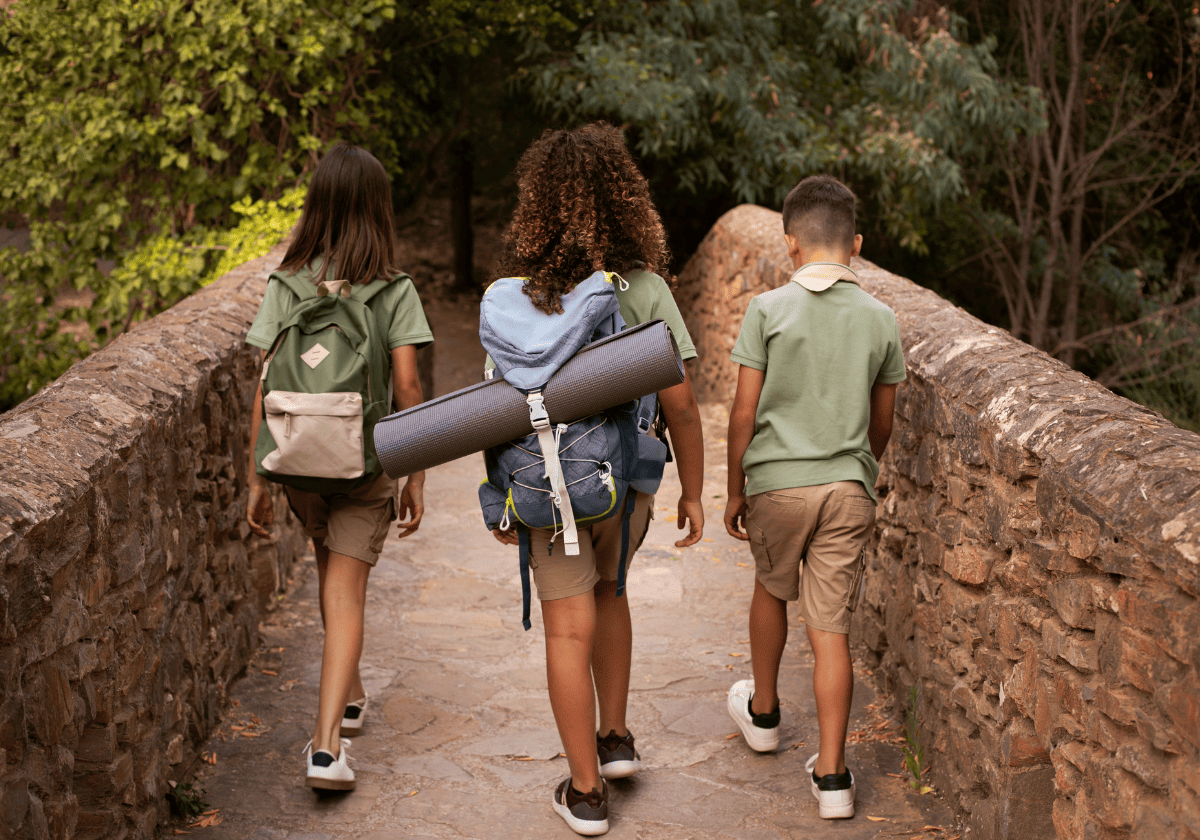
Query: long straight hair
point(347, 219)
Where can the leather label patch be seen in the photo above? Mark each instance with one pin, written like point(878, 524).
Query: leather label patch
point(314, 356)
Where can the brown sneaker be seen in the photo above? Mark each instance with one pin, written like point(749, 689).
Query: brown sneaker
point(585, 813)
point(618, 758)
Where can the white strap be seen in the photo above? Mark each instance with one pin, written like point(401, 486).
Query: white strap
point(558, 485)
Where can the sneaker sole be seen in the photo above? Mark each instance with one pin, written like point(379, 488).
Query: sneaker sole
point(752, 733)
point(588, 828)
point(348, 729)
point(319, 783)
point(834, 812)
point(620, 769)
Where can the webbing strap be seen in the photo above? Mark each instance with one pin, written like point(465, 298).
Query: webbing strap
point(558, 485)
point(630, 504)
point(523, 550)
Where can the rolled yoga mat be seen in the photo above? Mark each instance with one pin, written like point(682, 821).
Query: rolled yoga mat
point(631, 364)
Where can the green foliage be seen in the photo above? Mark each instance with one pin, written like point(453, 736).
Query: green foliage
point(187, 799)
point(723, 95)
point(127, 123)
point(166, 268)
point(913, 748)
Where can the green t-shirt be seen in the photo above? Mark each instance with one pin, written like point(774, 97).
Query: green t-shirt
point(648, 297)
point(820, 353)
point(398, 307)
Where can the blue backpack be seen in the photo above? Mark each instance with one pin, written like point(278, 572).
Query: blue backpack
point(570, 474)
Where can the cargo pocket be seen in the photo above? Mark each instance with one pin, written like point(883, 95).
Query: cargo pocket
point(758, 547)
point(854, 592)
point(316, 435)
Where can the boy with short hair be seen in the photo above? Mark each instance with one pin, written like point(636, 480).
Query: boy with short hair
point(820, 359)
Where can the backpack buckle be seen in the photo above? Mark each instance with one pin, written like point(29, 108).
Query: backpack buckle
point(537, 410)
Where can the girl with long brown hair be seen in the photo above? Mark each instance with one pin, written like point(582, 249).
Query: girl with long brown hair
point(345, 238)
point(582, 207)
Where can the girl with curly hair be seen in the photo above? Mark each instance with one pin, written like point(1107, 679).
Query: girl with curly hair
point(582, 207)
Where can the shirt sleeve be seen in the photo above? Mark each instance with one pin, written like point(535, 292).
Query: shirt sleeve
point(665, 307)
point(751, 349)
point(270, 313)
point(892, 370)
point(409, 325)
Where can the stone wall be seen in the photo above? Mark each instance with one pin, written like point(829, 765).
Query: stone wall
point(130, 587)
point(1035, 569)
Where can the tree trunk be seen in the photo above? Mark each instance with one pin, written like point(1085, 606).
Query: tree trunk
point(462, 167)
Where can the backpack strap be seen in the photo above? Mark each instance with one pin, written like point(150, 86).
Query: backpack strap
point(301, 287)
point(523, 550)
point(630, 504)
point(548, 441)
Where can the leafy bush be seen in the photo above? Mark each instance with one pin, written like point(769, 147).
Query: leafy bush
point(136, 127)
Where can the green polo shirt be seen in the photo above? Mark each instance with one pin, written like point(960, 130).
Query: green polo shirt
point(820, 353)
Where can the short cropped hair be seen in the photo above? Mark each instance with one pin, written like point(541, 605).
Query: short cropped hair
point(820, 211)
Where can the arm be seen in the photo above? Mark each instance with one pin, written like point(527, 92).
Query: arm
point(683, 420)
point(879, 429)
point(741, 431)
point(260, 513)
point(406, 385)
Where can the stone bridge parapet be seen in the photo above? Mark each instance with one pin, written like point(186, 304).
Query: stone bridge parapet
point(130, 595)
point(1035, 569)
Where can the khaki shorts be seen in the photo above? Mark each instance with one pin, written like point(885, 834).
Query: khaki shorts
point(354, 524)
point(558, 576)
point(825, 527)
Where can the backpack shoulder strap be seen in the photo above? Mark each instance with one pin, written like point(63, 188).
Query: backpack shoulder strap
point(365, 291)
point(301, 287)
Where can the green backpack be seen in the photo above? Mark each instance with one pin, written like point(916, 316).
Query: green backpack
point(325, 384)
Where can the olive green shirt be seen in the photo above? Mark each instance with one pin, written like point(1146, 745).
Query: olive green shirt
point(821, 352)
point(398, 308)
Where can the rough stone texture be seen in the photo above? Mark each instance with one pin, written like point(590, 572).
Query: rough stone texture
point(1036, 564)
point(130, 587)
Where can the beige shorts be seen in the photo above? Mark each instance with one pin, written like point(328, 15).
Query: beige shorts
point(825, 527)
point(558, 576)
point(354, 524)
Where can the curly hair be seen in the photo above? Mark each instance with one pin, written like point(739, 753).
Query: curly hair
point(582, 206)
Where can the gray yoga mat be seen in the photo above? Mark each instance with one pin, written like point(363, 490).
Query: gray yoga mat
point(639, 361)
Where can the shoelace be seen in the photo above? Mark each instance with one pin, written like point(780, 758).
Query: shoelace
point(344, 742)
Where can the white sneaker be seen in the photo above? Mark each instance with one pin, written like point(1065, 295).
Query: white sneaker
point(352, 718)
point(759, 738)
point(834, 793)
point(325, 772)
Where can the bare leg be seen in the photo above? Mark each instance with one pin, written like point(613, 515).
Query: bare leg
point(768, 637)
point(343, 598)
point(612, 654)
point(570, 632)
point(322, 553)
point(833, 689)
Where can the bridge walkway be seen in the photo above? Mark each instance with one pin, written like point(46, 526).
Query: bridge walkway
point(460, 741)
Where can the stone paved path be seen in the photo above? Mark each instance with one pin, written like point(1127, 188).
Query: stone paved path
point(460, 741)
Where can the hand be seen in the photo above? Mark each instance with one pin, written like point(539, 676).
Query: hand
point(735, 517)
point(260, 512)
point(691, 512)
point(412, 504)
point(508, 537)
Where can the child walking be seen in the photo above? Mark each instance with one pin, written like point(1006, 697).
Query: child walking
point(583, 207)
point(820, 359)
point(345, 239)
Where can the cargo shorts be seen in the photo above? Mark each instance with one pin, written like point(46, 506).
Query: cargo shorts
point(557, 575)
point(807, 544)
point(354, 524)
